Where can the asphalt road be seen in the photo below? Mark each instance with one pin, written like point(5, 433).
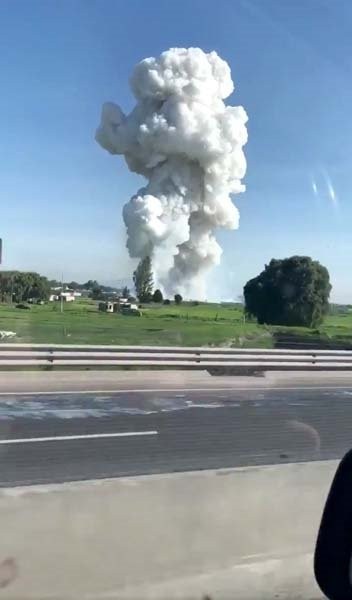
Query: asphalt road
point(55, 437)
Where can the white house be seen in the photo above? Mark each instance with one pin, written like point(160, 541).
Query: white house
point(67, 296)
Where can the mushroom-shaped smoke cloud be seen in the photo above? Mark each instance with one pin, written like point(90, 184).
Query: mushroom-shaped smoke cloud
point(188, 144)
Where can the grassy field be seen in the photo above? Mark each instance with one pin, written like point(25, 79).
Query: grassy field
point(82, 323)
point(185, 325)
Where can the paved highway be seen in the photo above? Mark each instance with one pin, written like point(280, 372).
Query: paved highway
point(54, 437)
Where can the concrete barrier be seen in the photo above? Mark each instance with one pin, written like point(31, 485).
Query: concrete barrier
point(242, 533)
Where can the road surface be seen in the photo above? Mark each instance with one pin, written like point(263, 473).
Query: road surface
point(153, 426)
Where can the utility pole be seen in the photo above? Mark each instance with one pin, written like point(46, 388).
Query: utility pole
point(61, 296)
point(1, 297)
point(242, 301)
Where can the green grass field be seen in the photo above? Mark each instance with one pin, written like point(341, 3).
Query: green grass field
point(82, 323)
point(185, 325)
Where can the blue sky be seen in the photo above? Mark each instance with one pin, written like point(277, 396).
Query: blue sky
point(61, 194)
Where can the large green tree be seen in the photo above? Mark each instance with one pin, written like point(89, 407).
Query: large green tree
point(21, 286)
point(143, 280)
point(291, 291)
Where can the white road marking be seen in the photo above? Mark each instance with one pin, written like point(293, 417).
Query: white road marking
point(171, 390)
point(89, 436)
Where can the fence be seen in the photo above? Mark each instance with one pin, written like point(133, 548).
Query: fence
point(254, 359)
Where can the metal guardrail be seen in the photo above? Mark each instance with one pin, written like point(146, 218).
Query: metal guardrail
point(254, 359)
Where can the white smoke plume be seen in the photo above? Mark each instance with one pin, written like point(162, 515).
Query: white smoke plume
point(188, 145)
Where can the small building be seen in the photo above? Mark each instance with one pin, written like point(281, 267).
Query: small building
point(123, 307)
point(67, 296)
point(130, 309)
point(122, 302)
point(110, 307)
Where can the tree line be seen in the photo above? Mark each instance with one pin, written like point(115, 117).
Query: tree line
point(97, 291)
point(21, 286)
point(290, 291)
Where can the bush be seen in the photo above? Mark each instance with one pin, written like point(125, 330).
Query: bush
point(167, 301)
point(292, 291)
point(147, 298)
point(157, 296)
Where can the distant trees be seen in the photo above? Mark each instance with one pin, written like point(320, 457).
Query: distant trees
point(143, 280)
point(291, 291)
point(97, 290)
point(157, 296)
point(126, 292)
point(97, 293)
point(21, 286)
point(166, 302)
point(178, 298)
point(91, 284)
point(54, 283)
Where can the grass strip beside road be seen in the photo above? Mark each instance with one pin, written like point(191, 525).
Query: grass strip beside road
point(206, 324)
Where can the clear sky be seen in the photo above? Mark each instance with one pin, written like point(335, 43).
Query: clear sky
point(61, 194)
